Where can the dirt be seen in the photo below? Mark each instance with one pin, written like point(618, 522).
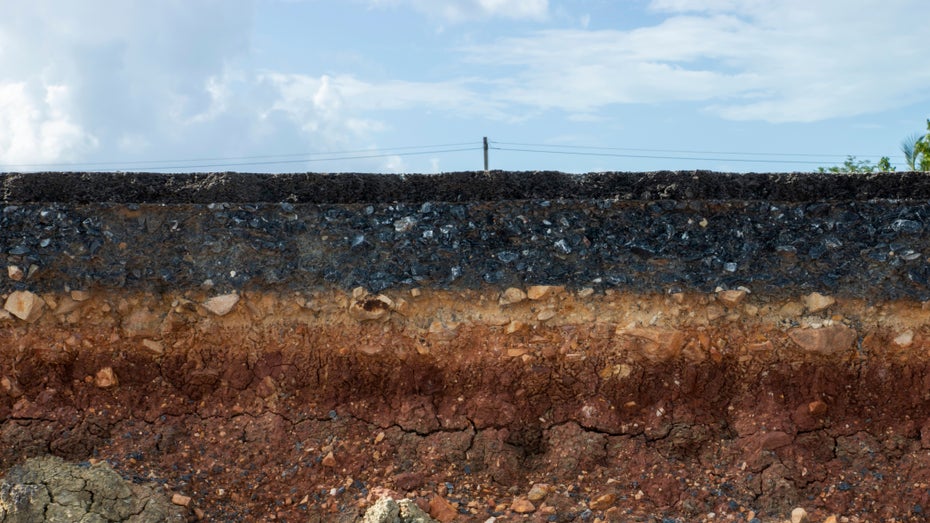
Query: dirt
point(618, 407)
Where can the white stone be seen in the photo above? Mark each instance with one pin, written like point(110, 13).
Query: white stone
point(25, 305)
point(731, 298)
point(14, 272)
point(905, 339)
point(816, 302)
point(511, 296)
point(106, 378)
point(221, 305)
point(538, 292)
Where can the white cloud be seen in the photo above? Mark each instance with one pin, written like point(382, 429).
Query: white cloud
point(112, 76)
point(462, 10)
point(337, 105)
point(36, 124)
point(678, 6)
point(804, 61)
point(395, 164)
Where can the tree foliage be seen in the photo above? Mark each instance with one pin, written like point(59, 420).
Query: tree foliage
point(922, 151)
point(916, 149)
point(907, 147)
point(852, 165)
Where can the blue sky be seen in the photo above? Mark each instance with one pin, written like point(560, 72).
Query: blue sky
point(413, 85)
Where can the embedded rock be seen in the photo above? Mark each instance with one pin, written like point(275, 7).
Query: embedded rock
point(731, 298)
point(51, 489)
point(387, 510)
point(371, 308)
point(538, 292)
point(825, 340)
point(105, 378)
point(511, 296)
point(221, 305)
point(25, 305)
point(816, 302)
point(655, 343)
point(15, 273)
point(522, 506)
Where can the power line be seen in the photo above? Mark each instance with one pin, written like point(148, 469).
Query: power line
point(655, 157)
point(677, 151)
point(420, 150)
point(306, 160)
point(309, 155)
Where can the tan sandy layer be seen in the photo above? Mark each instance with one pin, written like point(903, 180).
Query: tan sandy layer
point(656, 327)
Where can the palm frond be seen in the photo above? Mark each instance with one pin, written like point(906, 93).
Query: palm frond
point(907, 147)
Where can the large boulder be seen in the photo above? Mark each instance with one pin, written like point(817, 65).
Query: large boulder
point(47, 489)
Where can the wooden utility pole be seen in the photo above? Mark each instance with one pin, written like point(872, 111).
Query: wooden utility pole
point(485, 155)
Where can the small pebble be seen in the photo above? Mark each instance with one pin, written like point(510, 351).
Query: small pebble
point(538, 492)
point(522, 506)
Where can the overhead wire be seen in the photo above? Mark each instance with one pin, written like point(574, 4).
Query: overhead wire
point(308, 160)
point(446, 148)
point(679, 151)
point(581, 150)
point(655, 157)
point(304, 156)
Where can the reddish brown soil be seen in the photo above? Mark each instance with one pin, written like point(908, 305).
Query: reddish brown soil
point(291, 408)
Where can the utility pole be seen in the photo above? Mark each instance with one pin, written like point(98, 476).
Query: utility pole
point(485, 155)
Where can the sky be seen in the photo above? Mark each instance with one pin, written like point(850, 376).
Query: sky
point(413, 86)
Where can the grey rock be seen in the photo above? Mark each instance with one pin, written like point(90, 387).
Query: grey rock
point(47, 489)
point(386, 510)
point(906, 226)
point(411, 513)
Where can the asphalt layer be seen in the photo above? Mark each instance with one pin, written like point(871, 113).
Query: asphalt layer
point(94, 187)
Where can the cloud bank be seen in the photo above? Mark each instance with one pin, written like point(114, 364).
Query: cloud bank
point(110, 80)
point(462, 10)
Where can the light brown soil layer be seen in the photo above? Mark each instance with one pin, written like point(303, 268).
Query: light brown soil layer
point(624, 407)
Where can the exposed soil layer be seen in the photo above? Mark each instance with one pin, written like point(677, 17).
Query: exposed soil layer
point(523, 346)
point(625, 407)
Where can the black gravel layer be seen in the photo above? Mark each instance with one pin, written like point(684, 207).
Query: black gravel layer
point(456, 187)
point(875, 248)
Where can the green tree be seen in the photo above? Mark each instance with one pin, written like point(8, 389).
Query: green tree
point(852, 165)
point(922, 151)
point(907, 147)
point(884, 165)
point(916, 149)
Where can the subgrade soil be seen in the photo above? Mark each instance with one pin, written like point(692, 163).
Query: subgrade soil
point(564, 405)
